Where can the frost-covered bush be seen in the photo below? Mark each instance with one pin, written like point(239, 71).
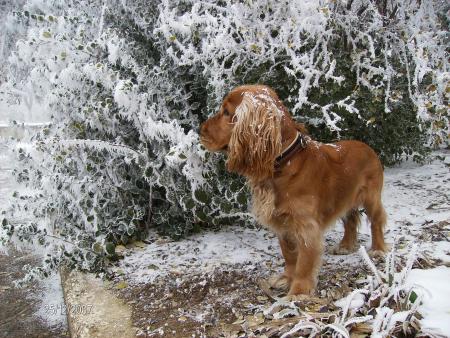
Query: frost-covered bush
point(121, 154)
point(371, 70)
point(128, 82)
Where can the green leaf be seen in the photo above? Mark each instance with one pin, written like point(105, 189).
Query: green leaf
point(148, 172)
point(202, 196)
point(89, 203)
point(153, 267)
point(4, 222)
point(412, 297)
point(225, 207)
point(242, 198)
point(110, 248)
point(47, 35)
point(201, 215)
point(189, 203)
point(235, 186)
point(97, 247)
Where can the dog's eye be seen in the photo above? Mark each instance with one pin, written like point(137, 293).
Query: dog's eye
point(226, 113)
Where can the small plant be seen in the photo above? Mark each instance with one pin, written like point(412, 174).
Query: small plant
point(385, 306)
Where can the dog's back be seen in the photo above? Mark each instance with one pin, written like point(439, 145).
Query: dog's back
point(333, 178)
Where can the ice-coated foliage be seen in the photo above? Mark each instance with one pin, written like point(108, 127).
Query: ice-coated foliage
point(372, 70)
point(386, 303)
point(127, 84)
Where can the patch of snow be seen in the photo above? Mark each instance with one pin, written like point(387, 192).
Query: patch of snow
point(356, 301)
point(201, 254)
point(438, 250)
point(52, 310)
point(434, 286)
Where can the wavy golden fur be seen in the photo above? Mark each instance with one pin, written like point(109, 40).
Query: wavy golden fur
point(256, 138)
point(299, 198)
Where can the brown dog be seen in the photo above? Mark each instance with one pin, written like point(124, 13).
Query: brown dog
point(299, 186)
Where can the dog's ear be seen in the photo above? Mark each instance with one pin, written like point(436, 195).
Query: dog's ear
point(256, 137)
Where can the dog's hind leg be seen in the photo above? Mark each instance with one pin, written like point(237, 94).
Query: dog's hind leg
point(348, 242)
point(377, 216)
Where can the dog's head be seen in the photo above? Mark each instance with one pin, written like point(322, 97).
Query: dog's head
point(249, 126)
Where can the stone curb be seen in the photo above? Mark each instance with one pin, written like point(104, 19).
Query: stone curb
point(92, 310)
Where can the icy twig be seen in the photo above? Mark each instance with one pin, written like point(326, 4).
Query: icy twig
point(362, 251)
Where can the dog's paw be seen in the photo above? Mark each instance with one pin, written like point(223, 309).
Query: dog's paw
point(280, 282)
point(342, 250)
point(305, 299)
point(301, 287)
point(379, 252)
point(296, 298)
point(376, 253)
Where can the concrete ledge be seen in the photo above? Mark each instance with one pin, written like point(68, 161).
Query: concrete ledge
point(92, 310)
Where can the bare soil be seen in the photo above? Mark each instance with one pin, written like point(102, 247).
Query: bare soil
point(216, 305)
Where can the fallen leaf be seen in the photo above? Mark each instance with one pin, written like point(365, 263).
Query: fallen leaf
point(121, 285)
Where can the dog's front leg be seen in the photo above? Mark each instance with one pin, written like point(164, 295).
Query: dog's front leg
point(289, 251)
point(309, 255)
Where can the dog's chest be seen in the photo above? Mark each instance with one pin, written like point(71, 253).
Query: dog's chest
point(264, 204)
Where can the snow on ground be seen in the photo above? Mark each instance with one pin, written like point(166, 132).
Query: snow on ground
point(434, 286)
point(51, 309)
point(200, 254)
point(416, 198)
